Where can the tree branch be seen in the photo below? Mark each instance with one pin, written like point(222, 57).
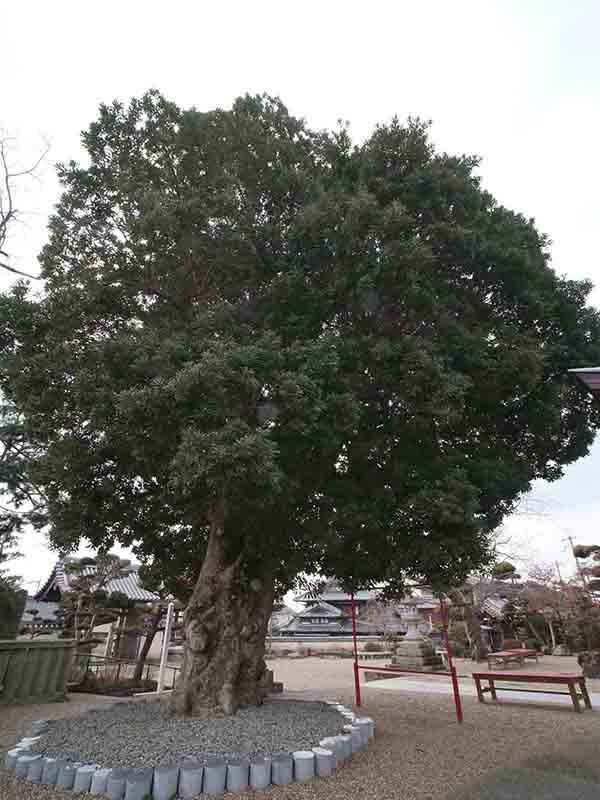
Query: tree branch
point(8, 213)
point(19, 272)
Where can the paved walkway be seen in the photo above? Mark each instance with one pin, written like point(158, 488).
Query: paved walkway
point(443, 686)
point(465, 666)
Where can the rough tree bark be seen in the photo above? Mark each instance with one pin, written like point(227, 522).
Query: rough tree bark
point(224, 630)
point(127, 644)
point(146, 645)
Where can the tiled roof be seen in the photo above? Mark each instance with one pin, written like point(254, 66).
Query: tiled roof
point(321, 609)
point(339, 596)
point(361, 596)
point(590, 377)
point(129, 585)
point(494, 606)
point(46, 612)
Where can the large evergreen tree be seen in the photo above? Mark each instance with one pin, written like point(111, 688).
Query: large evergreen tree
point(263, 349)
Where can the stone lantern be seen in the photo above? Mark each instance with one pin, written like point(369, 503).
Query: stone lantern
point(415, 651)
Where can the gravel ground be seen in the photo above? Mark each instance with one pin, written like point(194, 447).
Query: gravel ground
point(419, 752)
point(15, 721)
point(137, 735)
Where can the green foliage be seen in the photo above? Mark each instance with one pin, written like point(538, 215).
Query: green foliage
point(106, 682)
point(458, 633)
point(582, 628)
point(373, 647)
point(23, 502)
point(88, 602)
point(593, 572)
point(347, 359)
point(515, 613)
point(7, 553)
point(172, 564)
point(89, 578)
point(523, 621)
point(12, 603)
point(504, 570)
point(12, 599)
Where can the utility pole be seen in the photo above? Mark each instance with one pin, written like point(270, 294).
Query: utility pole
point(560, 578)
point(562, 586)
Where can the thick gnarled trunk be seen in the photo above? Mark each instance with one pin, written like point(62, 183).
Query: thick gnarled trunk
point(146, 646)
point(225, 626)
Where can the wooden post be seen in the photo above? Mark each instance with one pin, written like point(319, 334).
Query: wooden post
point(109, 640)
point(165, 646)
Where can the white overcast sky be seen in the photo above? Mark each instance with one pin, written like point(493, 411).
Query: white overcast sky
point(515, 81)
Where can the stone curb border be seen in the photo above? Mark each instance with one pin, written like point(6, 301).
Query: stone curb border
point(190, 778)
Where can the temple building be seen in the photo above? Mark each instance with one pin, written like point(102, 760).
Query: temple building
point(320, 618)
point(58, 583)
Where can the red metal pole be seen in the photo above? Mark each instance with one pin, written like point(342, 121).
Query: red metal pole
point(452, 668)
point(356, 673)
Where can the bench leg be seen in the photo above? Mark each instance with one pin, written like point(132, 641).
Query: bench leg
point(479, 692)
point(574, 697)
point(493, 689)
point(584, 692)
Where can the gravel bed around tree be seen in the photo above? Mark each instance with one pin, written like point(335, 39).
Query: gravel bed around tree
point(419, 752)
point(137, 735)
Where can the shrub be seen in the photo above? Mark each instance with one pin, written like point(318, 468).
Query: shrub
point(512, 644)
point(458, 633)
point(458, 649)
point(373, 647)
point(12, 603)
point(105, 682)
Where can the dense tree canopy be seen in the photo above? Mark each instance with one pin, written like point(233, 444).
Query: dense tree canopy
point(21, 499)
point(320, 356)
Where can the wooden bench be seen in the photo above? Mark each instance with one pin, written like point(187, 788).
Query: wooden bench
point(504, 657)
point(391, 671)
point(576, 684)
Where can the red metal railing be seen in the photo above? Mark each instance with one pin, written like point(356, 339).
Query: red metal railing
point(449, 673)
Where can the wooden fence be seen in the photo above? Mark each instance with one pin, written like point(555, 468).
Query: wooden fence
point(34, 671)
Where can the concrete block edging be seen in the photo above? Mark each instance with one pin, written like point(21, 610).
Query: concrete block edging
point(161, 781)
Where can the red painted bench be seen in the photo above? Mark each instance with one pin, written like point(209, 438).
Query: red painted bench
point(575, 683)
point(504, 657)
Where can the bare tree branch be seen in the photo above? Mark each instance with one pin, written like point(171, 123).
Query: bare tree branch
point(19, 272)
point(31, 170)
point(8, 212)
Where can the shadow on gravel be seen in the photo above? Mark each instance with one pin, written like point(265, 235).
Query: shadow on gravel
point(581, 762)
point(528, 784)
